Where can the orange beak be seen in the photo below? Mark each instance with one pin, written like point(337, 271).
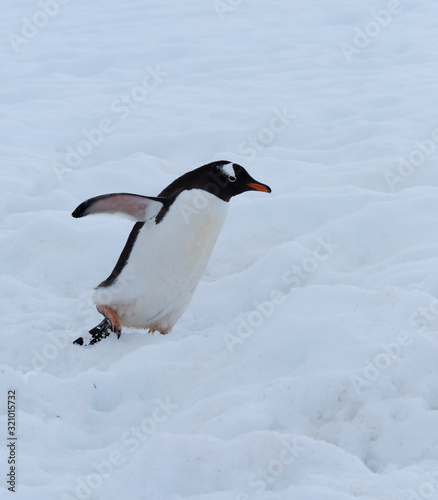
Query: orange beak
point(259, 187)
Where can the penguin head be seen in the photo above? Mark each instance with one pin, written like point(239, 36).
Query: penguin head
point(229, 179)
point(224, 179)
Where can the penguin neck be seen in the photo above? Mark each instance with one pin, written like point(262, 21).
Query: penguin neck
point(195, 206)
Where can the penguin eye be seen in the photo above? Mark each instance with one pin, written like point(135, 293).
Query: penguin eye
point(231, 178)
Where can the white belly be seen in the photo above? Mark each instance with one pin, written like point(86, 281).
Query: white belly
point(166, 263)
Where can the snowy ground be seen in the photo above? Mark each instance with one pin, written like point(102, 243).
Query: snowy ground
point(306, 366)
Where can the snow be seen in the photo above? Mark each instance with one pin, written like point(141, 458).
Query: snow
point(306, 365)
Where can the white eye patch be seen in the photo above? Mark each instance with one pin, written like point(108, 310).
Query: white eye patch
point(228, 170)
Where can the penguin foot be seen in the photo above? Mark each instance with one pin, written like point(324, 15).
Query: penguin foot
point(113, 319)
point(98, 333)
point(101, 331)
point(110, 324)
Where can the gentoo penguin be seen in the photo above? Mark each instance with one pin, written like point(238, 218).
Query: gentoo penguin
point(168, 248)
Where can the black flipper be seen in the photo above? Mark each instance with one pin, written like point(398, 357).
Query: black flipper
point(133, 206)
